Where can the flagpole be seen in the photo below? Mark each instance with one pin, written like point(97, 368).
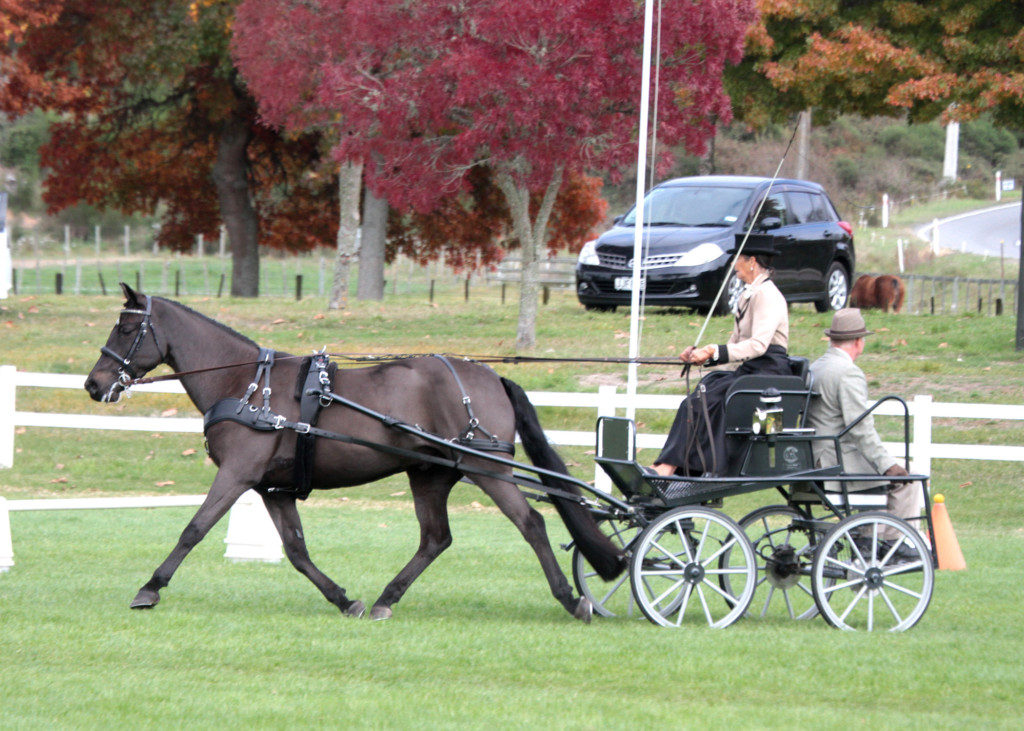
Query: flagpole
point(638, 231)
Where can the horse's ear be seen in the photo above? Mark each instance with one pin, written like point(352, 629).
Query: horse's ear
point(132, 299)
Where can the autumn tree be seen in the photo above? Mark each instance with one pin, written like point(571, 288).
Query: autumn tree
point(154, 114)
point(536, 92)
point(947, 59)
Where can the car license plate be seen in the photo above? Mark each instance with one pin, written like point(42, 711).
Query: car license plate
point(626, 283)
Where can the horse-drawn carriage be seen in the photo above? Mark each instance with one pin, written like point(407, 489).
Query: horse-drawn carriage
point(301, 424)
point(817, 551)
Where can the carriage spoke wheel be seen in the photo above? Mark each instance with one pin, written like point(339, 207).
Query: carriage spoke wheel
point(783, 554)
point(610, 598)
point(678, 563)
point(861, 582)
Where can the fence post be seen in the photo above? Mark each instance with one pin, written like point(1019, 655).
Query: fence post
point(605, 407)
point(251, 534)
point(6, 546)
point(921, 408)
point(7, 391)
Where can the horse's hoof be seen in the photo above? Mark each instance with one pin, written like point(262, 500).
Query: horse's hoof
point(356, 609)
point(380, 612)
point(145, 599)
point(584, 610)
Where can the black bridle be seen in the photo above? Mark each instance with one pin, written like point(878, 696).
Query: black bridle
point(126, 372)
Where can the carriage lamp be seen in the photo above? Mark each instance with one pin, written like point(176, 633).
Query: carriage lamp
point(768, 414)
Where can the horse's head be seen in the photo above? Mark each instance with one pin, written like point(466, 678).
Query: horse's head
point(133, 348)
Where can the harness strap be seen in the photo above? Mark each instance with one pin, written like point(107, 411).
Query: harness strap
point(467, 436)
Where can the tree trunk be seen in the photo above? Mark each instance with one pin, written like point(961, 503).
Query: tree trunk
point(230, 178)
point(350, 179)
point(371, 247)
point(803, 143)
point(532, 236)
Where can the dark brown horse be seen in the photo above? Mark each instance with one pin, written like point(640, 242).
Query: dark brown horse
point(216, 362)
point(884, 292)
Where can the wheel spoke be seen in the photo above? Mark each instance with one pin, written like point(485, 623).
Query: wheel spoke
point(615, 588)
point(871, 611)
point(700, 546)
point(670, 590)
point(768, 600)
point(704, 604)
point(902, 589)
point(724, 594)
point(789, 604)
point(846, 566)
point(670, 556)
point(903, 568)
point(845, 585)
point(738, 570)
point(725, 546)
point(860, 594)
point(888, 603)
point(687, 593)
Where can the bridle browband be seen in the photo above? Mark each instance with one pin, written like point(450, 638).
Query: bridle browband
point(126, 373)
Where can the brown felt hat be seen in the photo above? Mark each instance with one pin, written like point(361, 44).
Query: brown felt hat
point(847, 324)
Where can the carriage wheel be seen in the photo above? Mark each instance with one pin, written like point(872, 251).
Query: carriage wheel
point(610, 598)
point(678, 563)
point(784, 554)
point(863, 583)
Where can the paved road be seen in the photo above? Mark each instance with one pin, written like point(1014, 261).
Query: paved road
point(980, 232)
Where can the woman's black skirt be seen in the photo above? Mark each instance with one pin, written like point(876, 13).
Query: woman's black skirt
point(689, 445)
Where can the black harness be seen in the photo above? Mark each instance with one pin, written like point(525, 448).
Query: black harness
point(126, 372)
point(313, 391)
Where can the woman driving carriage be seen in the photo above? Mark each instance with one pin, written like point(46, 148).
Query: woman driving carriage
point(760, 336)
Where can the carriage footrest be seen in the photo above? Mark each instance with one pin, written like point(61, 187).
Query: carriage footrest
point(634, 481)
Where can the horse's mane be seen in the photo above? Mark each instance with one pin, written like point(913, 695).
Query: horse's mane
point(210, 320)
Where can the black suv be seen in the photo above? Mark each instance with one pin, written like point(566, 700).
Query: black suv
point(693, 225)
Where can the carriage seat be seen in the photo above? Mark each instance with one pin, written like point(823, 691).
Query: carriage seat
point(744, 396)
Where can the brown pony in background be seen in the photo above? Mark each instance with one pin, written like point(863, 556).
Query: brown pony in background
point(884, 292)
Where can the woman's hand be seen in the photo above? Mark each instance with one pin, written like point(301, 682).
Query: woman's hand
point(697, 356)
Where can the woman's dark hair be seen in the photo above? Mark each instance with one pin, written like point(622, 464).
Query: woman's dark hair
point(763, 260)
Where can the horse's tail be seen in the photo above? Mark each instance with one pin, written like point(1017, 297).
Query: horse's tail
point(602, 554)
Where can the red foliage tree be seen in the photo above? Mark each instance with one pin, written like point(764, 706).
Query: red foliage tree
point(154, 113)
point(535, 91)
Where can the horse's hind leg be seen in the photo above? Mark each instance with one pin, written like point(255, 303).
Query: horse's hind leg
point(285, 515)
point(430, 490)
point(226, 489)
point(530, 523)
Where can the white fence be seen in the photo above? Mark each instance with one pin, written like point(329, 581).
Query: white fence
point(250, 534)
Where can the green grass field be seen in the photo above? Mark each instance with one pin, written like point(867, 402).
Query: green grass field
point(478, 641)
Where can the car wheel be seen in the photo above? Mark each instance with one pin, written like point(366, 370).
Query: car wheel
point(837, 289)
point(731, 295)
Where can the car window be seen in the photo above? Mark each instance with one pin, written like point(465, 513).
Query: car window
point(802, 206)
point(691, 206)
point(774, 207)
point(823, 210)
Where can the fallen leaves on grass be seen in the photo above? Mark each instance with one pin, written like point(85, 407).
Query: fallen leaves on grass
point(164, 483)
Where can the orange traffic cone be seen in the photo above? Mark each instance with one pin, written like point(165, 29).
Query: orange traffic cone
point(947, 547)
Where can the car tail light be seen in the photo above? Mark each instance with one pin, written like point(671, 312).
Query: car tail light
point(846, 227)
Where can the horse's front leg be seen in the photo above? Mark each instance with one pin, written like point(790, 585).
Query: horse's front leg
point(226, 489)
point(282, 510)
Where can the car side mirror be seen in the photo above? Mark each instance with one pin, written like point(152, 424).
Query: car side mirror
point(618, 219)
point(769, 223)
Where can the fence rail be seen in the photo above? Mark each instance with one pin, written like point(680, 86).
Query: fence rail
point(606, 401)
